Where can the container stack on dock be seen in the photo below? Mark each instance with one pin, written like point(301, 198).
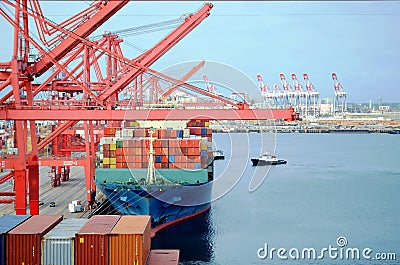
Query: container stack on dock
point(103, 239)
point(188, 148)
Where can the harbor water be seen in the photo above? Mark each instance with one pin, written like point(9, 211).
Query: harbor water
point(338, 191)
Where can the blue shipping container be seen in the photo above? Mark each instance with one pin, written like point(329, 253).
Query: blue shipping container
point(179, 134)
point(158, 159)
point(203, 131)
point(171, 159)
point(7, 223)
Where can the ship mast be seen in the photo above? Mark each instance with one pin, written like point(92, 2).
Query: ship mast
point(150, 169)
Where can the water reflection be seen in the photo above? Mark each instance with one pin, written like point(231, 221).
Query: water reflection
point(194, 238)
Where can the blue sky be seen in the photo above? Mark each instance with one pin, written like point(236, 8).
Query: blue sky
point(357, 40)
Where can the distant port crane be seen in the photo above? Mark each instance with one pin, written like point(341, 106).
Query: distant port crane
point(271, 97)
point(312, 98)
point(340, 97)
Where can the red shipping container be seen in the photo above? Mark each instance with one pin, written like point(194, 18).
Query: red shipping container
point(197, 151)
point(91, 242)
point(131, 151)
point(113, 153)
point(24, 241)
point(196, 143)
point(106, 166)
point(191, 151)
point(157, 143)
point(164, 165)
point(106, 153)
point(157, 165)
point(173, 143)
point(173, 133)
point(184, 142)
point(164, 143)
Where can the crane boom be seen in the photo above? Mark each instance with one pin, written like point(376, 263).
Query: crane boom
point(106, 10)
point(160, 49)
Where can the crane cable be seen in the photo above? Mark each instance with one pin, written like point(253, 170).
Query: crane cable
point(153, 27)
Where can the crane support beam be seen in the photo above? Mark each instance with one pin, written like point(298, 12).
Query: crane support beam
point(61, 161)
point(108, 9)
point(154, 114)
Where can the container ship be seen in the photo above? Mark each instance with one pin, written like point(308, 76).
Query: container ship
point(164, 173)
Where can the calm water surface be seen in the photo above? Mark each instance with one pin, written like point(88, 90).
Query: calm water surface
point(333, 185)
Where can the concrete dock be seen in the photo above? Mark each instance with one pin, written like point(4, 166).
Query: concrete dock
point(73, 189)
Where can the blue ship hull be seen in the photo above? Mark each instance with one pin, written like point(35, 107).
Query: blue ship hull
point(165, 204)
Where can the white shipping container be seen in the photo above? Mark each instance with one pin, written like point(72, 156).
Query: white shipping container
point(108, 140)
point(130, 133)
point(58, 243)
point(186, 133)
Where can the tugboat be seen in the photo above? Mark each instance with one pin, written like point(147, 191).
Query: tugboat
point(218, 155)
point(267, 159)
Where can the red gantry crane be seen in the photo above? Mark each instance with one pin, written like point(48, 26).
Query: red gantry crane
point(78, 93)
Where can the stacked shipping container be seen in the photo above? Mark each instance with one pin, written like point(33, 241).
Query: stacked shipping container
point(103, 239)
point(129, 148)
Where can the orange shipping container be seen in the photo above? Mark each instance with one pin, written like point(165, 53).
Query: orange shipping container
point(24, 241)
point(91, 242)
point(130, 240)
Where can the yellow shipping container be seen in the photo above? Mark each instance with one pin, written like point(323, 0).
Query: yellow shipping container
point(203, 146)
point(113, 166)
point(113, 161)
point(113, 147)
point(106, 160)
point(207, 124)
